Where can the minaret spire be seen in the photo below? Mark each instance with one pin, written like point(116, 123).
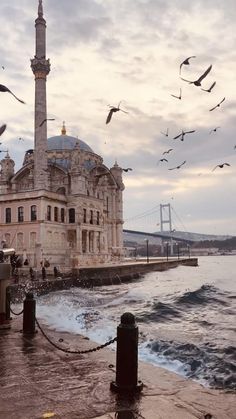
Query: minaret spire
point(41, 68)
point(40, 9)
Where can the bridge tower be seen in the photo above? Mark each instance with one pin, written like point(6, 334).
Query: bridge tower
point(165, 218)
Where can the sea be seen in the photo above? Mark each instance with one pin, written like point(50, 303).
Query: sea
point(186, 317)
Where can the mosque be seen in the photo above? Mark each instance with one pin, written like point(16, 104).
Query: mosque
point(63, 206)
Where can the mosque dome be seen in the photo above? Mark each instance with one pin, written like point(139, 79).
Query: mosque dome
point(66, 142)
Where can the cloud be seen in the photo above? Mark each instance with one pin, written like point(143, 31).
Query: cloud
point(104, 52)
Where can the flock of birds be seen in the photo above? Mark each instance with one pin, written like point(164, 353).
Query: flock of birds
point(182, 134)
point(114, 109)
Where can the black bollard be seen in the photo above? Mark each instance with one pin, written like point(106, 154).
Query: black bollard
point(29, 314)
point(127, 357)
point(8, 304)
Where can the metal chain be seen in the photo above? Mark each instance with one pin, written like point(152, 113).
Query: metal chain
point(68, 351)
point(17, 314)
point(9, 302)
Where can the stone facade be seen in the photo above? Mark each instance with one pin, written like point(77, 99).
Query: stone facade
point(64, 205)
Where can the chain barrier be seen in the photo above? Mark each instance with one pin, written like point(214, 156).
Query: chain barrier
point(15, 314)
point(68, 351)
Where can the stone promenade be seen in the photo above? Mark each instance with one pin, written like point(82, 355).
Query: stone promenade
point(39, 381)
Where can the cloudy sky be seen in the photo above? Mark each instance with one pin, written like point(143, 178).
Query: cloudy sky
point(103, 52)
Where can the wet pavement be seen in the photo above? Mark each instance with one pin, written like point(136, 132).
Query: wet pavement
point(39, 381)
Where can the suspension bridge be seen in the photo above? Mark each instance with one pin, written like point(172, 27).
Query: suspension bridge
point(169, 224)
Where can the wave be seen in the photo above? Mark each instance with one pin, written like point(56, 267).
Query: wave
point(158, 312)
point(204, 295)
point(206, 363)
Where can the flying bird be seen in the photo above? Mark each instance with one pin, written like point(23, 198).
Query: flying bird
point(126, 170)
point(5, 89)
point(214, 130)
point(3, 67)
point(47, 119)
point(182, 134)
point(166, 133)
point(164, 160)
point(21, 139)
point(167, 151)
point(178, 167)
point(220, 166)
point(112, 110)
point(186, 62)
point(180, 94)
point(235, 147)
point(218, 105)
point(3, 151)
point(2, 129)
point(210, 88)
point(199, 80)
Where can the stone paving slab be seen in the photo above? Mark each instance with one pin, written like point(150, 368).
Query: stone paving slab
point(39, 381)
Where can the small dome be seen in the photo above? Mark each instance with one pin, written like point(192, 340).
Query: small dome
point(66, 142)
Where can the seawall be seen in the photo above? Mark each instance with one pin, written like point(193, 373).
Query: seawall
point(95, 276)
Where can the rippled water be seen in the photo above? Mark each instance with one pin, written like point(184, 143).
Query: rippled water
point(186, 317)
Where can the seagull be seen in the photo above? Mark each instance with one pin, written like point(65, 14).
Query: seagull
point(2, 129)
point(164, 160)
point(186, 62)
point(220, 166)
point(180, 94)
point(199, 80)
point(214, 130)
point(3, 67)
point(5, 89)
point(126, 170)
point(21, 139)
point(210, 88)
point(166, 133)
point(178, 167)
point(182, 134)
point(235, 147)
point(167, 151)
point(112, 110)
point(47, 119)
point(3, 151)
point(218, 105)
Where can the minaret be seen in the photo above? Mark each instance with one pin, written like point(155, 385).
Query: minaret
point(41, 68)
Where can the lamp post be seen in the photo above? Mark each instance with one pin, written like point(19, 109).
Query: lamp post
point(147, 251)
point(167, 251)
point(188, 246)
point(177, 244)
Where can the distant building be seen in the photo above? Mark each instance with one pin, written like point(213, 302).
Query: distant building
point(64, 205)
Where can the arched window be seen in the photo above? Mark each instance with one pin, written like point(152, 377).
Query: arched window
point(32, 239)
point(91, 217)
point(62, 215)
point(19, 241)
point(84, 215)
point(8, 215)
point(55, 214)
point(20, 214)
point(33, 213)
point(49, 212)
point(71, 215)
point(98, 218)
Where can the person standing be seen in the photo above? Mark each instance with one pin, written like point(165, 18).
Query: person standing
point(43, 273)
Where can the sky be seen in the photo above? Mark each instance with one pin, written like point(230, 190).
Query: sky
point(103, 52)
